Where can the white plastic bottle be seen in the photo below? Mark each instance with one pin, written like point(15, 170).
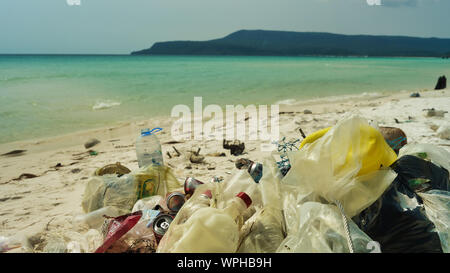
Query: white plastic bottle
point(148, 148)
point(211, 230)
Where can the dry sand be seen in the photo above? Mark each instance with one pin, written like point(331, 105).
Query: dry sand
point(41, 205)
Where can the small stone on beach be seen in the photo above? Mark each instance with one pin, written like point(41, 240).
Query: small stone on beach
point(91, 143)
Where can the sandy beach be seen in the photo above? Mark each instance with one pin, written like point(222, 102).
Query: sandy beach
point(47, 203)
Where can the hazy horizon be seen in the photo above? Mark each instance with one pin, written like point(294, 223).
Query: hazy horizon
point(113, 27)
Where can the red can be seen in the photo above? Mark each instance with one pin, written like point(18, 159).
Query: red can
point(190, 185)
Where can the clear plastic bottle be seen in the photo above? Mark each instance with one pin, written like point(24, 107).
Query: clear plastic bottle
point(148, 148)
point(202, 201)
point(213, 230)
point(95, 219)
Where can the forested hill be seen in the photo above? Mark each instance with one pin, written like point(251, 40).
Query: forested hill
point(283, 43)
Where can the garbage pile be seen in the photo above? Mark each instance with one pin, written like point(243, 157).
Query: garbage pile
point(350, 188)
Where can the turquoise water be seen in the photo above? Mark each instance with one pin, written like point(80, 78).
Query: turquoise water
point(51, 95)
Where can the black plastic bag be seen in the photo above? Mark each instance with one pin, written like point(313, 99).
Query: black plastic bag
point(421, 175)
point(397, 221)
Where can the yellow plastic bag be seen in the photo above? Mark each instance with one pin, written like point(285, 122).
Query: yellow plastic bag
point(344, 164)
point(373, 149)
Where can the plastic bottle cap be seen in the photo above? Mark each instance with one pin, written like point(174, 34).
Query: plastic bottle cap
point(145, 132)
point(247, 200)
point(208, 193)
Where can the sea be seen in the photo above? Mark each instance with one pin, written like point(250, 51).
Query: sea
point(48, 95)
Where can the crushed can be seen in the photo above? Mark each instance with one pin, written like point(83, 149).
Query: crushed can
point(160, 225)
point(190, 184)
point(175, 201)
point(256, 170)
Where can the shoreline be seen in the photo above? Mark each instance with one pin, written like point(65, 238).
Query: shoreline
point(161, 119)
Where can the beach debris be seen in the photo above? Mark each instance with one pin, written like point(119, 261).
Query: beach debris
point(396, 120)
point(190, 184)
point(441, 83)
point(236, 147)
point(76, 170)
point(283, 147)
point(415, 95)
point(92, 152)
point(14, 153)
point(302, 133)
point(176, 151)
point(434, 127)
point(196, 157)
point(243, 163)
point(168, 154)
point(123, 146)
point(148, 148)
point(217, 179)
point(116, 168)
point(25, 176)
point(444, 132)
point(217, 154)
point(395, 137)
point(188, 167)
point(434, 113)
point(307, 112)
point(173, 142)
point(91, 143)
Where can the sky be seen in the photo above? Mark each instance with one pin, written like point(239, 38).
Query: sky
point(122, 26)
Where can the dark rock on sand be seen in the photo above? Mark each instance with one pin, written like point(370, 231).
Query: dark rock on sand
point(441, 84)
point(91, 143)
point(307, 112)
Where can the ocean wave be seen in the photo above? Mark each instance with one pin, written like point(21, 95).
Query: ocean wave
point(105, 105)
point(287, 102)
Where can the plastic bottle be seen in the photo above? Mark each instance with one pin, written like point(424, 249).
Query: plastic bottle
point(213, 230)
point(95, 218)
point(203, 201)
point(148, 148)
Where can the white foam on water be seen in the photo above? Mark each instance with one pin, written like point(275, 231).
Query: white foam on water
point(286, 102)
point(105, 105)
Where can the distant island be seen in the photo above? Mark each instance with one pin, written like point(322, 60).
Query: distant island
point(284, 43)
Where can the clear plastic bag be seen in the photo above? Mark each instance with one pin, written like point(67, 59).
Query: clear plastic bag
point(147, 203)
point(344, 165)
point(123, 192)
point(320, 229)
point(437, 207)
